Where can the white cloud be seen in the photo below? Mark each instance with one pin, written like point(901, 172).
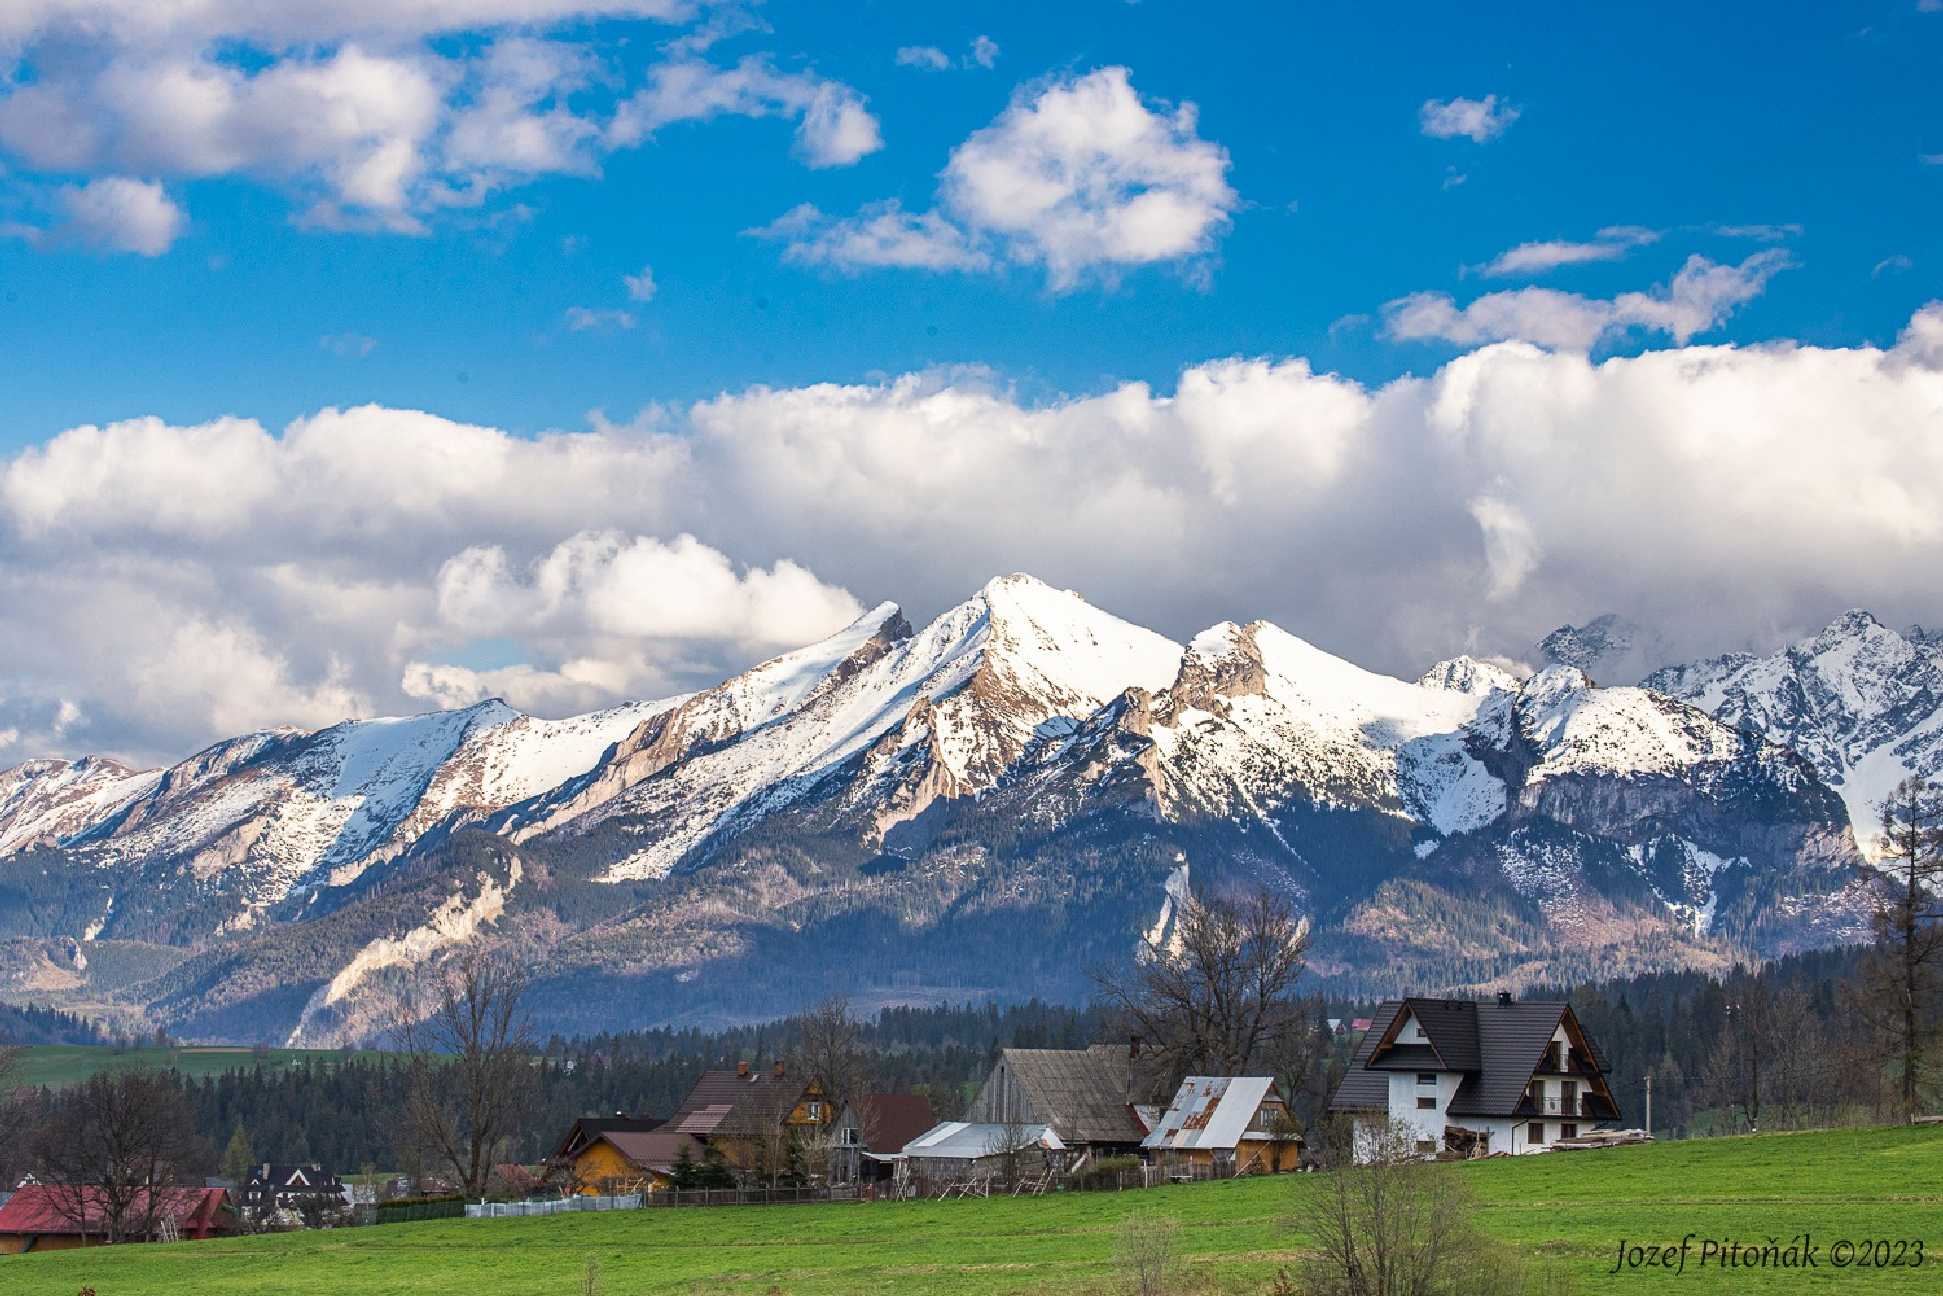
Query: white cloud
point(833, 126)
point(178, 583)
point(882, 234)
point(1895, 264)
point(640, 287)
point(582, 319)
point(984, 51)
point(1612, 243)
point(1078, 176)
point(1760, 233)
point(118, 214)
point(1478, 120)
point(351, 109)
point(1700, 297)
point(351, 346)
point(923, 56)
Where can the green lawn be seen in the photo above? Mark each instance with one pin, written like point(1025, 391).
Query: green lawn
point(58, 1065)
point(1573, 1207)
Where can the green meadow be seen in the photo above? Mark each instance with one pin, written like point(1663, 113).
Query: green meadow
point(1571, 1208)
point(59, 1065)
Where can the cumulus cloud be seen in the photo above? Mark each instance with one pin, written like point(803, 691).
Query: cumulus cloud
point(1077, 176)
point(1611, 243)
point(175, 583)
point(1700, 297)
point(117, 214)
point(833, 126)
point(929, 57)
point(984, 51)
point(640, 287)
point(1478, 120)
point(355, 112)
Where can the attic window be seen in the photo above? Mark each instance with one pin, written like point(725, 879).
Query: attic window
point(1427, 1077)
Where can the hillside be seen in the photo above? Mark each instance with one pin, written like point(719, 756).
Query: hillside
point(1571, 1208)
point(986, 805)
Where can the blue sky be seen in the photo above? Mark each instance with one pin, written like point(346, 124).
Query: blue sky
point(357, 361)
point(1677, 118)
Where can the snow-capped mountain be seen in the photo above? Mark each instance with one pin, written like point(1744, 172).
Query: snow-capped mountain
point(1860, 702)
point(44, 801)
point(996, 799)
point(1609, 648)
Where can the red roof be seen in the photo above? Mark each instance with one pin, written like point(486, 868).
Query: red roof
point(42, 1208)
point(897, 1120)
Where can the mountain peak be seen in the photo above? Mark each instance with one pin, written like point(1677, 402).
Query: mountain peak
point(1467, 674)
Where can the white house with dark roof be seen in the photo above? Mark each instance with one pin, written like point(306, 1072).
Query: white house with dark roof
point(1475, 1077)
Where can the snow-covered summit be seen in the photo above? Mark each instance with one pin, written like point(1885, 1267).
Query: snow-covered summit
point(1860, 702)
point(1467, 674)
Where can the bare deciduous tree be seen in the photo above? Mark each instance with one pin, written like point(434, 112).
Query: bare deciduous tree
point(1218, 997)
point(1898, 990)
point(1396, 1225)
point(1766, 1064)
point(112, 1147)
point(830, 1049)
point(1147, 1253)
point(470, 1077)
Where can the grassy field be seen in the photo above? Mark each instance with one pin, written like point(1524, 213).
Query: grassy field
point(1573, 1208)
point(58, 1065)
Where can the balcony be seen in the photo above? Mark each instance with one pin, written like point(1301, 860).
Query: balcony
point(1578, 1107)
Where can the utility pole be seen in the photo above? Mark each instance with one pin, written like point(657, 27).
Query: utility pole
point(1649, 1104)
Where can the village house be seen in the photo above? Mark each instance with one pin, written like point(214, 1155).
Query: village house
point(305, 1189)
point(953, 1151)
point(1061, 1106)
point(621, 1154)
point(1475, 1078)
point(1224, 1125)
point(40, 1217)
point(870, 1135)
point(761, 1122)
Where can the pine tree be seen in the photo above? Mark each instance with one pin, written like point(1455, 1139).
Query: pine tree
point(1902, 978)
point(237, 1157)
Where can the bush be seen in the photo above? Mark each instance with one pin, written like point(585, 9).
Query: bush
point(1106, 1169)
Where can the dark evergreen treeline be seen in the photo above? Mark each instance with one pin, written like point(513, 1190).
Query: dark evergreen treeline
point(36, 1025)
point(344, 1111)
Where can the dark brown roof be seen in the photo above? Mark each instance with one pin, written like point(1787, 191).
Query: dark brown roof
point(588, 1128)
point(1081, 1093)
point(656, 1150)
point(730, 1102)
point(896, 1120)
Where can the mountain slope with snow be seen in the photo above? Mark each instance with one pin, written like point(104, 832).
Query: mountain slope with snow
point(995, 800)
point(1860, 702)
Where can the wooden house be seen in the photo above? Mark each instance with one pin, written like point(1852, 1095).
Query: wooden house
point(601, 1155)
point(870, 1135)
point(759, 1120)
point(305, 1189)
point(41, 1217)
point(1225, 1125)
point(1457, 1075)
point(1088, 1097)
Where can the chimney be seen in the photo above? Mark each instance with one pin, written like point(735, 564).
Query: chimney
point(779, 1070)
point(742, 1070)
point(1504, 998)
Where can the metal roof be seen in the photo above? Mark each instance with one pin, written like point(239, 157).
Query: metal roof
point(968, 1141)
point(1210, 1112)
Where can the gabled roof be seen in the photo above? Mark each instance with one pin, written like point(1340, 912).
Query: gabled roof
point(588, 1128)
point(894, 1120)
point(730, 1102)
point(656, 1150)
point(1081, 1093)
point(1210, 1112)
point(41, 1208)
point(1496, 1047)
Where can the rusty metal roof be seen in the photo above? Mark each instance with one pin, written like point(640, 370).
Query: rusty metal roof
point(1210, 1112)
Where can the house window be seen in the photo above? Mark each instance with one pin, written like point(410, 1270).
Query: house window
point(1427, 1077)
point(1568, 1131)
point(1537, 1132)
point(816, 1111)
point(1426, 1103)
